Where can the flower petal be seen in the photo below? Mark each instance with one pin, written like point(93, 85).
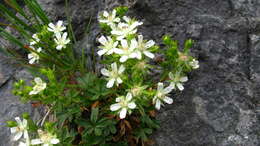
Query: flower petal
point(114, 67)
point(101, 52)
point(18, 120)
point(180, 86)
point(36, 141)
point(149, 44)
point(129, 96)
point(105, 72)
point(171, 75)
point(168, 100)
point(102, 40)
point(123, 58)
point(149, 54)
point(123, 113)
point(131, 105)
point(18, 135)
point(184, 79)
point(110, 83)
point(115, 107)
point(168, 89)
point(13, 129)
point(119, 80)
point(54, 141)
point(124, 43)
point(158, 104)
point(160, 86)
point(121, 69)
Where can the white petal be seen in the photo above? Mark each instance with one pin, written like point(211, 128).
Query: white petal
point(17, 136)
point(180, 86)
point(168, 100)
point(58, 36)
point(18, 120)
point(105, 72)
point(101, 52)
point(160, 86)
point(59, 23)
point(59, 47)
point(184, 79)
point(118, 99)
point(134, 44)
point(127, 19)
point(129, 96)
point(32, 92)
point(133, 55)
point(123, 113)
point(115, 107)
point(171, 76)
point(119, 80)
point(168, 89)
point(123, 58)
point(149, 54)
point(25, 134)
point(131, 105)
point(51, 25)
point(64, 36)
point(24, 122)
point(114, 66)
point(158, 104)
point(54, 141)
point(38, 80)
point(121, 69)
point(13, 129)
point(110, 83)
point(22, 144)
point(124, 43)
point(36, 141)
point(118, 51)
point(102, 40)
point(105, 14)
point(149, 44)
point(140, 38)
point(117, 20)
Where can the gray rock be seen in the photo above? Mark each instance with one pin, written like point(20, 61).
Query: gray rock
point(220, 105)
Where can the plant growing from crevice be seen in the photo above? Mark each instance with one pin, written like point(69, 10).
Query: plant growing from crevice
point(115, 106)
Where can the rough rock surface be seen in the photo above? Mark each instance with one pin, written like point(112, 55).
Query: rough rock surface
point(220, 105)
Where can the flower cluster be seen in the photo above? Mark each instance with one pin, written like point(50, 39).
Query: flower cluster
point(20, 133)
point(60, 39)
point(124, 44)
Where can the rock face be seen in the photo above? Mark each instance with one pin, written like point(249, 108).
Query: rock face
point(220, 105)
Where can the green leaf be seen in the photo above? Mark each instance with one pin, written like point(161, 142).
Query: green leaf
point(94, 115)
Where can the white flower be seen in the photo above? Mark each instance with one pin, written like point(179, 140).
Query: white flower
point(123, 105)
point(194, 64)
point(177, 80)
point(161, 95)
point(127, 50)
point(58, 28)
point(124, 29)
point(61, 40)
point(143, 46)
point(38, 87)
point(109, 19)
point(109, 46)
point(35, 39)
point(46, 139)
point(34, 57)
point(113, 75)
point(20, 130)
